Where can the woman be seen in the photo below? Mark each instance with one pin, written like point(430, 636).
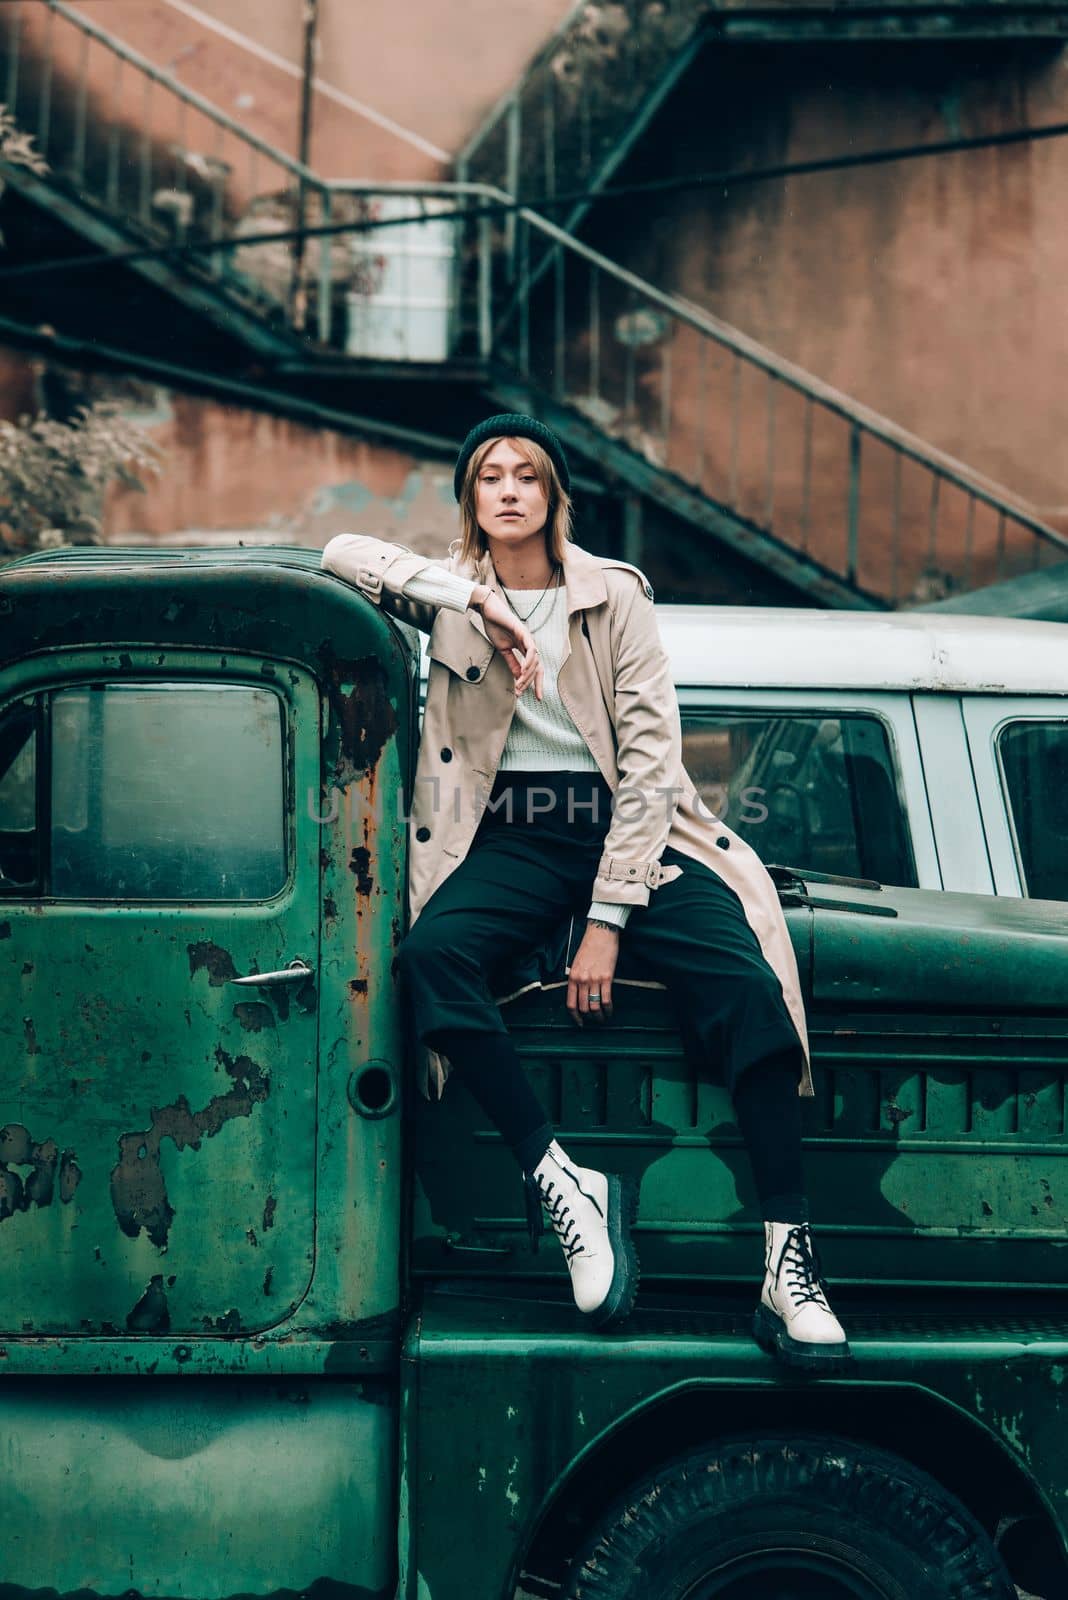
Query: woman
point(550, 780)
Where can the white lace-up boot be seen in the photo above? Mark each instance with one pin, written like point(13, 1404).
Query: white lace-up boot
point(592, 1213)
point(793, 1320)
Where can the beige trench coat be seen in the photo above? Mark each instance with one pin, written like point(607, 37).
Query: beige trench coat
point(615, 681)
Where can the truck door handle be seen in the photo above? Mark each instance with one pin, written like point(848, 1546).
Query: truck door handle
point(296, 972)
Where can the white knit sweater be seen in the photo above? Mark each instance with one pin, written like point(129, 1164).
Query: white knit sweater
point(542, 737)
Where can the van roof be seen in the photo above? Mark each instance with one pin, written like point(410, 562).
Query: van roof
point(758, 647)
point(731, 647)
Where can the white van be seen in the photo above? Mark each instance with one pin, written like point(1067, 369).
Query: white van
point(917, 749)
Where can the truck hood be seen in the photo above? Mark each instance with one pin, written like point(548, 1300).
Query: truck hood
point(932, 950)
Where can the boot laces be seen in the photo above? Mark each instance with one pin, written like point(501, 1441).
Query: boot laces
point(560, 1217)
point(798, 1256)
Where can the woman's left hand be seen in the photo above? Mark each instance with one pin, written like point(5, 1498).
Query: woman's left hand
point(592, 971)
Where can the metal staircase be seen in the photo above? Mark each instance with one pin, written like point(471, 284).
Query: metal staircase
point(657, 396)
point(584, 102)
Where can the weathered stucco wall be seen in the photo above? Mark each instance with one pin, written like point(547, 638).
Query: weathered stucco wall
point(434, 69)
point(931, 290)
point(231, 472)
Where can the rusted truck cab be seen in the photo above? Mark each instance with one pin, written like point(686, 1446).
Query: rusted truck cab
point(200, 1176)
point(256, 1335)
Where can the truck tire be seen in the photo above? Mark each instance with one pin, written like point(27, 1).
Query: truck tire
point(787, 1517)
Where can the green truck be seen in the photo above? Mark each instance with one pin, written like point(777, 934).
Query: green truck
point(257, 1341)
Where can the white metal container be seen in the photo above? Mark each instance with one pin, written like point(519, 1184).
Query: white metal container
point(403, 309)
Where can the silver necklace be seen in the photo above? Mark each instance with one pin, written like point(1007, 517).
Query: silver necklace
point(550, 590)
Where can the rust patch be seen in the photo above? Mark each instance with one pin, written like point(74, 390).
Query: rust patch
point(27, 968)
point(360, 867)
point(896, 1115)
point(212, 959)
point(267, 1277)
point(329, 907)
point(70, 1176)
point(229, 1322)
point(270, 1206)
point(32, 1047)
point(138, 1191)
point(362, 715)
point(20, 1191)
point(357, 985)
point(5, 930)
point(253, 1015)
point(151, 1313)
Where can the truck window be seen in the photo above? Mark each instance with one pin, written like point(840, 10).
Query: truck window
point(19, 838)
point(1033, 760)
point(806, 790)
point(167, 792)
point(160, 791)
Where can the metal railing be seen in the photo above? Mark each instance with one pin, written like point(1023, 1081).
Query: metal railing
point(784, 454)
point(425, 272)
point(582, 101)
point(131, 138)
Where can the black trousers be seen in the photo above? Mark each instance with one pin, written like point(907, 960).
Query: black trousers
point(533, 861)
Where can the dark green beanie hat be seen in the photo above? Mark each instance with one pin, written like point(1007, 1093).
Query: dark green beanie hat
point(511, 425)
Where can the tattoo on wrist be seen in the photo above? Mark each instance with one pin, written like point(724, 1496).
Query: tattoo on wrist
point(599, 922)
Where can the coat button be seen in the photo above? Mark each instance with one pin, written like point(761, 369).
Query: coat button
point(472, 673)
point(446, 754)
point(422, 834)
point(723, 842)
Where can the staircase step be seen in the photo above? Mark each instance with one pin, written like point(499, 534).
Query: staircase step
point(199, 293)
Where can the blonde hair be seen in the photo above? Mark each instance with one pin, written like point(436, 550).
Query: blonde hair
point(472, 542)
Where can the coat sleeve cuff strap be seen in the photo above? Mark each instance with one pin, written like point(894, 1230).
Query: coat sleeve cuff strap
point(370, 573)
point(369, 582)
point(647, 872)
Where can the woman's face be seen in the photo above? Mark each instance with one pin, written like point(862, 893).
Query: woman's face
point(510, 503)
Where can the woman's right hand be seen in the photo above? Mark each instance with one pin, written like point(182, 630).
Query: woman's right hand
point(512, 639)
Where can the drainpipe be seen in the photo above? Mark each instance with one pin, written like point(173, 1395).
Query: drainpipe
point(298, 298)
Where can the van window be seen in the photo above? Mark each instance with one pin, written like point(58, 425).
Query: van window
point(1033, 757)
point(19, 836)
point(804, 789)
